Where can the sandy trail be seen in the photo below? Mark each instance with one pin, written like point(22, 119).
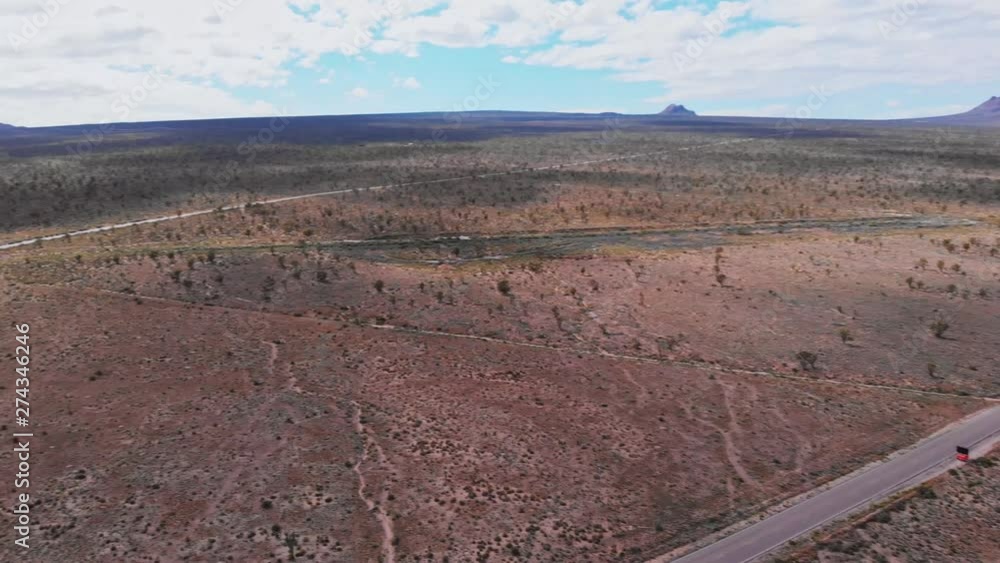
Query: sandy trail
point(388, 533)
point(804, 446)
point(732, 452)
point(642, 394)
point(732, 428)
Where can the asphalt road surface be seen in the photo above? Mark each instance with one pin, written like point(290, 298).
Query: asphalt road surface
point(925, 461)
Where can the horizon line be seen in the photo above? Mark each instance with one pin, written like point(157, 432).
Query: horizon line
point(488, 111)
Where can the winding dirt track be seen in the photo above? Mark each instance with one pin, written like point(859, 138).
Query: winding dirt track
point(378, 508)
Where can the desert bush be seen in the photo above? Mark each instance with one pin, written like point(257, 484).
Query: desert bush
point(807, 360)
point(503, 286)
point(939, 327)
point(845, 335)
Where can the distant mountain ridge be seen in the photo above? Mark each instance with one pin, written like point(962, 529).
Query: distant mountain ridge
point(433, 126)
point(990, 107)
point(985, 114)
point(678, 110)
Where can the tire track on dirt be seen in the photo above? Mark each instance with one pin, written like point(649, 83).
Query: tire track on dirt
point(388, 531)
point(235, 478)
point(643, 392)
point(733, 453)
point(804, 447)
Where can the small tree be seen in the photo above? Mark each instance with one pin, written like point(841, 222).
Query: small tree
point(379, 285)
point(807, 360)
point(292, 543)
point(845, 335)
point(503, 286)
point(939, 327)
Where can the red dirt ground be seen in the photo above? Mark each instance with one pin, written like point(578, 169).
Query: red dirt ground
point(172, 430)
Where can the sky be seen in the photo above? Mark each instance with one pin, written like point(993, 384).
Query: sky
point(101, 61)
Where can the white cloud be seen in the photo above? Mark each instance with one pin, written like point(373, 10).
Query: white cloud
point(790, 46)
point(756, 48)
point(408, 83)
point(359, 93)
point(69, 66)
point(90, 93)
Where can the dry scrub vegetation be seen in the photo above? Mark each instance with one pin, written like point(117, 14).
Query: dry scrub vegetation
point(186, 431)
point(614, 360)
point(862, 309)
point(684, 179)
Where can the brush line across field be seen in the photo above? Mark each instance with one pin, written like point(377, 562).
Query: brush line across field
point(285, 199)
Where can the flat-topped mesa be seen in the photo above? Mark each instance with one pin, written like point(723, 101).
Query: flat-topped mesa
point(678, 110)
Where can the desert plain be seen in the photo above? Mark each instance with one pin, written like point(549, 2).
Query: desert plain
point(556, 346)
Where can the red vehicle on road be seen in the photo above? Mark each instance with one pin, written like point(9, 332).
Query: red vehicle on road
point(963, 453)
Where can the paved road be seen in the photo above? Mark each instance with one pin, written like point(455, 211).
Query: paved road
point(925, 461)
